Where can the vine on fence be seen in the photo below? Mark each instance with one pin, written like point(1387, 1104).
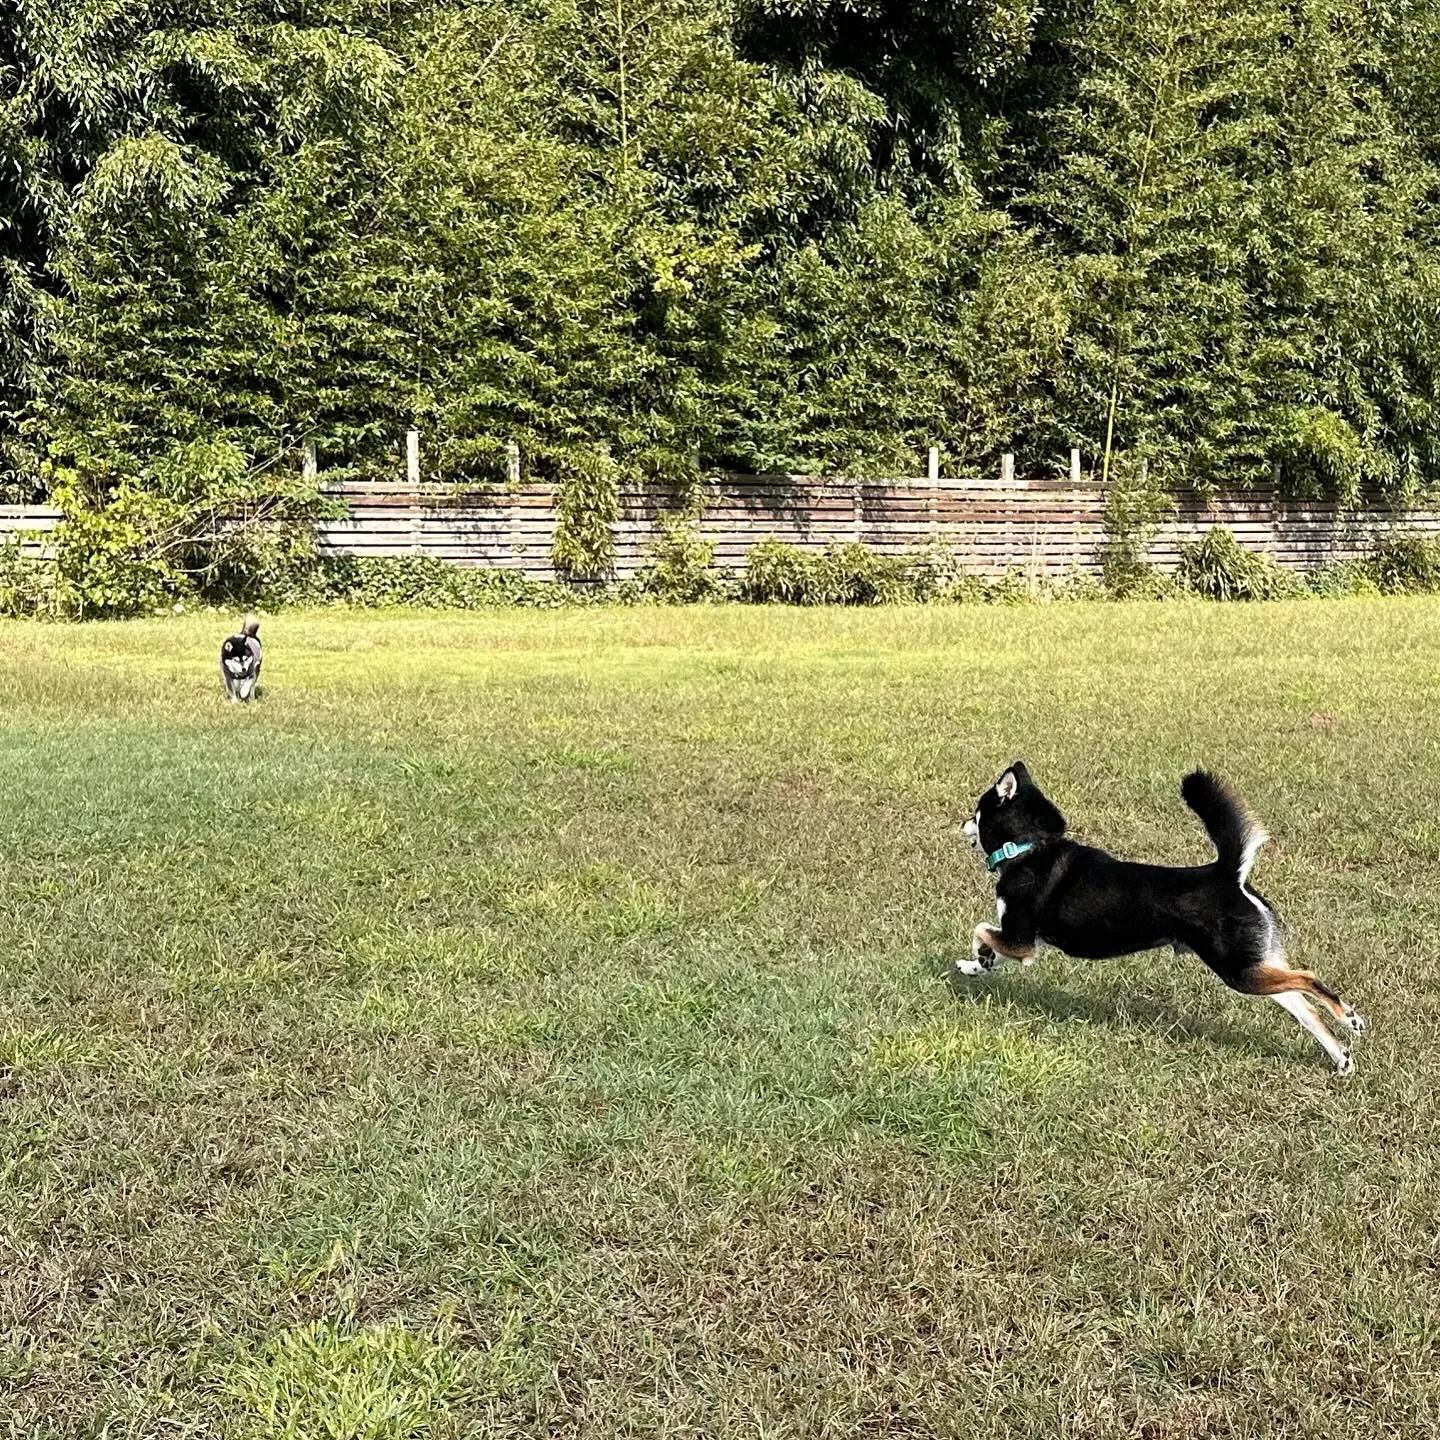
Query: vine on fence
point(587, 504)
point(1136, 504)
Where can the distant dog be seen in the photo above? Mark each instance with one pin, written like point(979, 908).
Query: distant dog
point(1089, 904)
point(240, 658)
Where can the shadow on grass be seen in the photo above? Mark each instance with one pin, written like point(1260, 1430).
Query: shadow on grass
point(1028, 990)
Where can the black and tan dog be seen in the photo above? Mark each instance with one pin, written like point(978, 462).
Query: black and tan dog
point(1089, 904)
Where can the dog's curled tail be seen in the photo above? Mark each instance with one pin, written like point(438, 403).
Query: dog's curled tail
point(1236, 834)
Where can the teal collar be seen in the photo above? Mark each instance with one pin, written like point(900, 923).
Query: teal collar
point(1008, 851)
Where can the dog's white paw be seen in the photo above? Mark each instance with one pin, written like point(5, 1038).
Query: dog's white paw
point(1355, 1021)
point(1345, 1065)
point(970, 967)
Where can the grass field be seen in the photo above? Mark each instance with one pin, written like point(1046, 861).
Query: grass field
point(530, 1024)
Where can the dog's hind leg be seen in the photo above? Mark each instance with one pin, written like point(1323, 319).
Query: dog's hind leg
point(1299, 992)
point(1344, 1014)
point(1300, 1008)
point(981, 958)
point(1276, 979)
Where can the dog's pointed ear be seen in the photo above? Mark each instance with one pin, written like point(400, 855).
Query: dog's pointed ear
point(1007, 785)
point(1021, 774)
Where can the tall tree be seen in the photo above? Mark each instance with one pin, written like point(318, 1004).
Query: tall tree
point(938, 70)
point(134, 134)
point(1239, 217)
point(1148, 203)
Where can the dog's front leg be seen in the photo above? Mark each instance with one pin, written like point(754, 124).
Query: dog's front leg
point(1012, 939)
point(1012, 947)
point(982, 955)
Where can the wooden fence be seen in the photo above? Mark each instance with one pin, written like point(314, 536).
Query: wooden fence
point(1043, 527)
point(30, 525)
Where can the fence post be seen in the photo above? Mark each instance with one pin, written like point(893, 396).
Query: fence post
point(309, 463)
point(1277, 509)
point(857, 504)
point(1075, 466)
point(412, 476)
point(933, 505)
point(1007, 469)
point(516, 528)
point(516, 533)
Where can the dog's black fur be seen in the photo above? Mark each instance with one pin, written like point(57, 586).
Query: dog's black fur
point(1089, 904)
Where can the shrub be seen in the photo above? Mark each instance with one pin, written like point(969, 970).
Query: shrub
point(857, 575)
point(1322, 453)
point(1136, 502)
point(1406, 564)
point(587, 504)
point(680, 570)
point(1339, 578)
point(961, 587)
point(1218, 567)
point(422, 582)
point(198, 520)
point(27, 585)
point(1078, 585)
point(776, 573)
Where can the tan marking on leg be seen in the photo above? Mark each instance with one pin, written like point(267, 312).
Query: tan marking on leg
point(1272, 979)
point(988, 935)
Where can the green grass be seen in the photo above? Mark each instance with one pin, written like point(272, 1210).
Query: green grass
point(532, 1023)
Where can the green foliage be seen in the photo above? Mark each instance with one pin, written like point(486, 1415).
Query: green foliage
point(1341, 578)
point(681, 571)
point(1014, 587)
point(1239, 204)
point(1321, 453)
point(198, 521)
point(1218, 567)
point(901, 330)
point(1144, 197)
point(1135, 506)
point(419, 582)
point(1406, 564)
point(1080, 585)
point(661, 240)
point(586, 506)
point(937, 574)
point(776, 573)
point(137, 146)
point(943, 68)
point(27, 583)
point(681, 567)
point(857, 575)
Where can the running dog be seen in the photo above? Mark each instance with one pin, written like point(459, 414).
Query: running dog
point(240, 658)
point(1091, 905)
